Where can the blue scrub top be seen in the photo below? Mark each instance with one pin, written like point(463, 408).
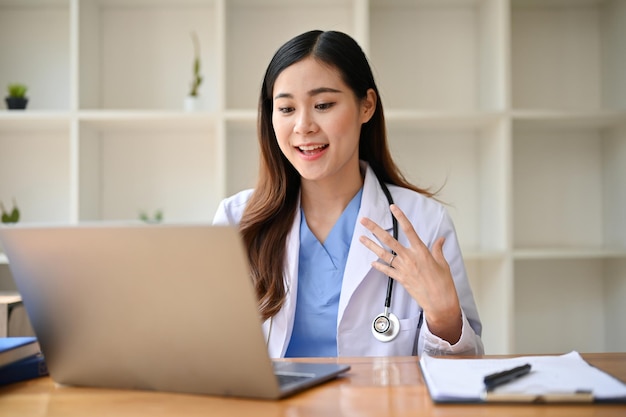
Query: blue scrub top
point(320, 274)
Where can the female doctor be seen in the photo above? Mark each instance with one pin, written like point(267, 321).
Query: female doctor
point(319, 225)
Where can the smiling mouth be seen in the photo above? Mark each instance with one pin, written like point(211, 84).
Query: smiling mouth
point(311, 149)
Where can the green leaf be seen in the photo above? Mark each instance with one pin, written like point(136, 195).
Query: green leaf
point(15, 215)
point(17, 90)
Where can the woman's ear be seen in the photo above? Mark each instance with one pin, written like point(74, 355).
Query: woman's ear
point(368, 105)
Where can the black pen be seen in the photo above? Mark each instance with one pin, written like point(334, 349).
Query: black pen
point(500, 378)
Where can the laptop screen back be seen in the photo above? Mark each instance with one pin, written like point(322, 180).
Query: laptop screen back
point(161, 307)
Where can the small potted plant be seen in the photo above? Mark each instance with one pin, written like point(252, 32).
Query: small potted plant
point(191, 101)
point(145, 217)
point(9, 217)
point(17, 96)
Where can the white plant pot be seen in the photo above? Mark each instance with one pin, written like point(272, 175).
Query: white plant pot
point(192, 103)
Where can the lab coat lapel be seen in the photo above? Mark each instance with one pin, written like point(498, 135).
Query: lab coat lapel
point(375, 206)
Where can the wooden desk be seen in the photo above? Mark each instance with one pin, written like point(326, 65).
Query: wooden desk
point(374, 387)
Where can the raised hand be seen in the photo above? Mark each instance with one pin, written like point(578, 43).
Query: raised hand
point(425, 274)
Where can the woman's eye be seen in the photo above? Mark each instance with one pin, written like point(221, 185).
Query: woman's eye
point(324, 106)
point(285, 110)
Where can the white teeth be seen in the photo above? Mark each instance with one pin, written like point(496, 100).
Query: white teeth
point(311, 147)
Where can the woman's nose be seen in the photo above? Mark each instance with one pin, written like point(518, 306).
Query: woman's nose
point(304, 124)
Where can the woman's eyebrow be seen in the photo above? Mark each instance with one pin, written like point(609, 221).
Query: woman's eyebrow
point(320, 90)
point(311, 93)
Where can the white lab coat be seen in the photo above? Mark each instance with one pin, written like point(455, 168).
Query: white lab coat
point(363, 289)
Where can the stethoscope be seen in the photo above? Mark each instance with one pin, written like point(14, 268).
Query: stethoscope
point(386, 326)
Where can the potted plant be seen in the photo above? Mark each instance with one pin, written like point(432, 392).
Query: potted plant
point(17, 96)
point(191, 101)
point(9, 217)
point(145, 217)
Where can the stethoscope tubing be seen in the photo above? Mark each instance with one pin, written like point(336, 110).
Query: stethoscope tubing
point(393, 324)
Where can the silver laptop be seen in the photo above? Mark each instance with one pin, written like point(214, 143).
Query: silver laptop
point(153, 307)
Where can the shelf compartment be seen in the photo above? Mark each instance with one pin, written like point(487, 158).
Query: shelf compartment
point(568, 56)
point(126, 171)
point(35, 50)
point(568, 188)
point(564, 305)
point(242, 156)
point(247, 56)
point(491, 284)
point(139, 55)
point(464, 70)
point(34, 171)
point(469, 166)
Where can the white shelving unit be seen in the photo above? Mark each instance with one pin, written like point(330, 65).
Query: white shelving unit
point(516, 108)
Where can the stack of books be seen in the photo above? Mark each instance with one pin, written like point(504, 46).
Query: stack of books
point(20, 359)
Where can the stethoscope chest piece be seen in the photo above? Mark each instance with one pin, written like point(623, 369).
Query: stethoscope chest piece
point(386, 327)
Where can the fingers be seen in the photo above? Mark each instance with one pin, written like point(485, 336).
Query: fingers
point(438, 250)
point(407, 227)
point(379, 251)
point(416, 245)
point(386, 257)
point(383, 237)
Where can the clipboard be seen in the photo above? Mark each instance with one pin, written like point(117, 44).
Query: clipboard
point(564, 378)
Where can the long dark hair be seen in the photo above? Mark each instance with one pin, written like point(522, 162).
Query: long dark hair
point(270, 212)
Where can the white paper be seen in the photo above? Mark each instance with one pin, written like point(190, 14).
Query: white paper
point(451, 379)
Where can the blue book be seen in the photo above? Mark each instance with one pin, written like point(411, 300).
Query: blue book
point(28, 368)
point(13, 349)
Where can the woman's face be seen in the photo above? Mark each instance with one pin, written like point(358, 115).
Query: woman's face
point(317, 120)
